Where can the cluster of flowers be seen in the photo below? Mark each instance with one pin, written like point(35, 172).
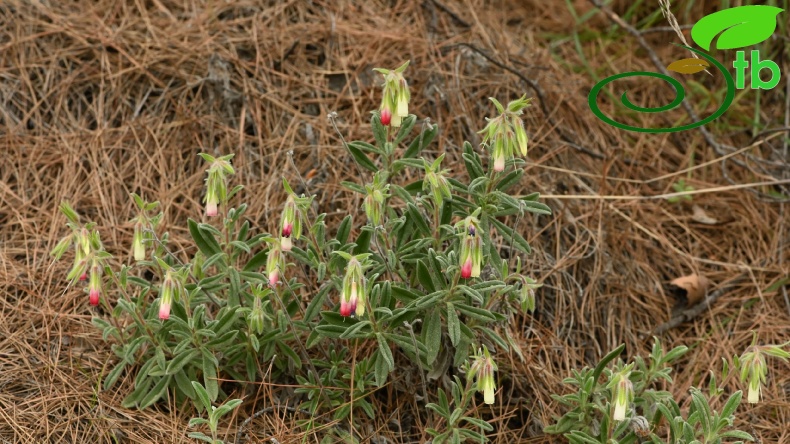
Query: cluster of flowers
point(89, 256)
point(754, 368)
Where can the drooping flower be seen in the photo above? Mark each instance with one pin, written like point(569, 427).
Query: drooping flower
point(274, 263)
point(471, 256)
point(466, 268)
point(137, 242)
point(505, 133)
point(164, 311)
point(256, 317)
point(345, 308)
point(354, 293)
point(436, 181)
point(622, 394)
point(290, 224)
point(753, 368)
point(166, 294)
point(395, 96)
point(521, 136)
point(216, 182)
point(95, 283)
point(376, 197)
point(403, 98)
point(528, 287)
point(482, 369)
point(82, 249)
point(386, 116)
point(211, 204)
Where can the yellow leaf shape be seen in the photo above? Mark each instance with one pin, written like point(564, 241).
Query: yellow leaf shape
point(688, 66)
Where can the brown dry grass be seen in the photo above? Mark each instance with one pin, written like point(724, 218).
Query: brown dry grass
point(99, 99)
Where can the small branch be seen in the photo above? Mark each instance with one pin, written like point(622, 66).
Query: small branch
point(449, 12)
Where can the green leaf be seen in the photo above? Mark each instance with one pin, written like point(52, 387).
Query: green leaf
point(361, 158)
point(536, 207)
point(453, 324)
point(498, 105)
point(479, 423)
point(405, 128)
point(473, 166)
point(364, 146)
point(353, 187)
point(113, 375)
point(363, 242)
point(385, 352)
point(732, 404)
point(227, 407)
point(185, 385)
point(197, 421)
point(510, 179)
point(356, 330)
point(288, 351)
point(477, 313)
point(316, 304)
point(201, 436)
point(419, 221)
point(738, 434)
point(424, 276)
point(606, 360)
point(210, 378)
point(140, 390)
point(205, 241)
point(379, 130)
point(180, 361)
point(432, 335)
point(156, 392)
point(241, 246)
point(202, 395)
point(739, 27)
point(511, 236)
point(401, 163)
point(404, 295)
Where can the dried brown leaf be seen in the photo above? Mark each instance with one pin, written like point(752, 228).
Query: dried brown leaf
point(695, 285)
point(702, 217)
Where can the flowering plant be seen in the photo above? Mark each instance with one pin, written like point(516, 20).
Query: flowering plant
point(625, 405)
point(420, 281)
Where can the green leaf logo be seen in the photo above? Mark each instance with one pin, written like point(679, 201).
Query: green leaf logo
point(739, 27)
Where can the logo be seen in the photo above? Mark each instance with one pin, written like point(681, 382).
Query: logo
point(736, 28)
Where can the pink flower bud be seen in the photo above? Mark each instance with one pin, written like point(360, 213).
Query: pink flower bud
point(386, 116)
point(94, 297)
point(345, 308)
point(466, 269)
point(274, 278)
point(95, 283)
point(211, 209)
point(83, 276)
point(499, 163)
point(287, 230)
point(164, 311)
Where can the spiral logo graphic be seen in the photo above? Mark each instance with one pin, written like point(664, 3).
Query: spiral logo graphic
point(732, 28)
point(680, 94)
